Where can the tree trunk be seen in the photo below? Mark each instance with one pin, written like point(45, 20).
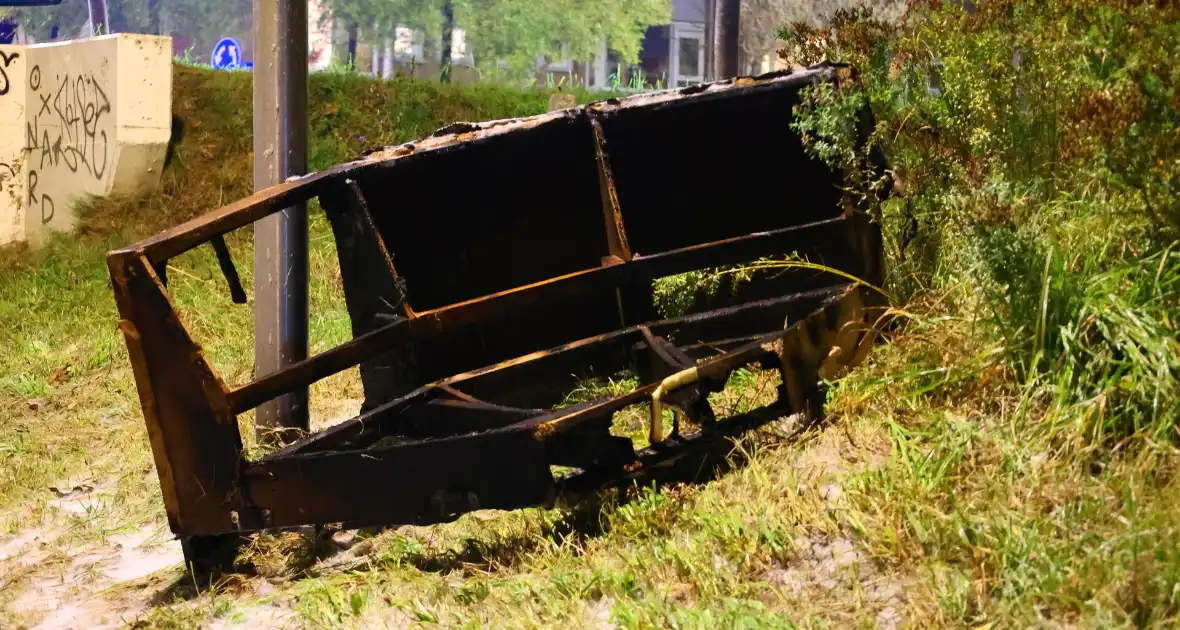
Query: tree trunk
point(726, 30)
point(448, 28)
point(710, 40)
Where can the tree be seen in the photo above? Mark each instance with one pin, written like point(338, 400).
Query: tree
point(205, 21)
point(38, 22)
point(378, 19)
point(761, 19)
point(516, 32)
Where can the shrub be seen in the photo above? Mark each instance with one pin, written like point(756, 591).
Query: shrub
point(1037, 146)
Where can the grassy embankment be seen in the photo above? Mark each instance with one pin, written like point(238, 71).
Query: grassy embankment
point(1008, 460)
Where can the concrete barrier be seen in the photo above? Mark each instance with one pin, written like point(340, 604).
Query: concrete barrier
point(12, 142)
point(77, 119)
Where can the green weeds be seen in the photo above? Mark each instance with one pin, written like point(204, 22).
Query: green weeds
point(1007, 458)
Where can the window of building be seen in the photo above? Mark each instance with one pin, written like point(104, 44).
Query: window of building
point(688, 54)
point(562, 64)
point(458, 44)
point(403, 41)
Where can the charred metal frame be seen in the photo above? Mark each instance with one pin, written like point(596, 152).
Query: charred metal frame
point(517, 295)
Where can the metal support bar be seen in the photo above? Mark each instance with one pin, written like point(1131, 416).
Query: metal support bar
point(434, 322)
point(561, 360)
point(280, 240)
point(500, 352)
point(99, 22)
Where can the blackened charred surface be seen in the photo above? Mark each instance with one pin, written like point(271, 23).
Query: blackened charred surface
point(444, 418)
point(714, 167)
point(501, 212)
point(374, 294)
point(517, 331)
point(543, 379)
point(868, 246)
point(691, 458)
point(424, 482)
point(591, 447)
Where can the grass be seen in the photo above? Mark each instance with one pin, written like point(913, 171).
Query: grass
point(68, 409)
point(1006, 459)
point(64, 379)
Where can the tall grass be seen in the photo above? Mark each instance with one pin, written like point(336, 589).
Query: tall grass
point(1035, 147)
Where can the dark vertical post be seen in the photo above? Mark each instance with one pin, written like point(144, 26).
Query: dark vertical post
point(710, 39)
point(352, 37)
point(280, 240)
point(154, 16)
point(448, 28)
point(726, 28)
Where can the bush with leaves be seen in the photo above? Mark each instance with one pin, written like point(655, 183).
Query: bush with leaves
point(1037, 144)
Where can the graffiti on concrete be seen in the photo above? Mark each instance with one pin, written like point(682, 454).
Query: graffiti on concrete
point(5, 60)
point(71, 123)
point(42, 200)
point(70, 128)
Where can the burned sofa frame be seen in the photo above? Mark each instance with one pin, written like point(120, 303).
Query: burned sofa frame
point(489, 267)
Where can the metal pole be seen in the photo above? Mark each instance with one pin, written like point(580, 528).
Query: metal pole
point(99, 22)
point(280, 240)
point(154, 16)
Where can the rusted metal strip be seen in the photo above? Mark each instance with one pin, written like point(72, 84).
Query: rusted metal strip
point(616, 234)
point(716, 367)
point(499, 378)
point(440, 320)
point(175, 241)
point(446, 418)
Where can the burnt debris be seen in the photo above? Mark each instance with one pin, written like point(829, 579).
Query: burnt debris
point(489, 267)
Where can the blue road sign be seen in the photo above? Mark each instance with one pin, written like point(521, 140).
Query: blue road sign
point(227, 54)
